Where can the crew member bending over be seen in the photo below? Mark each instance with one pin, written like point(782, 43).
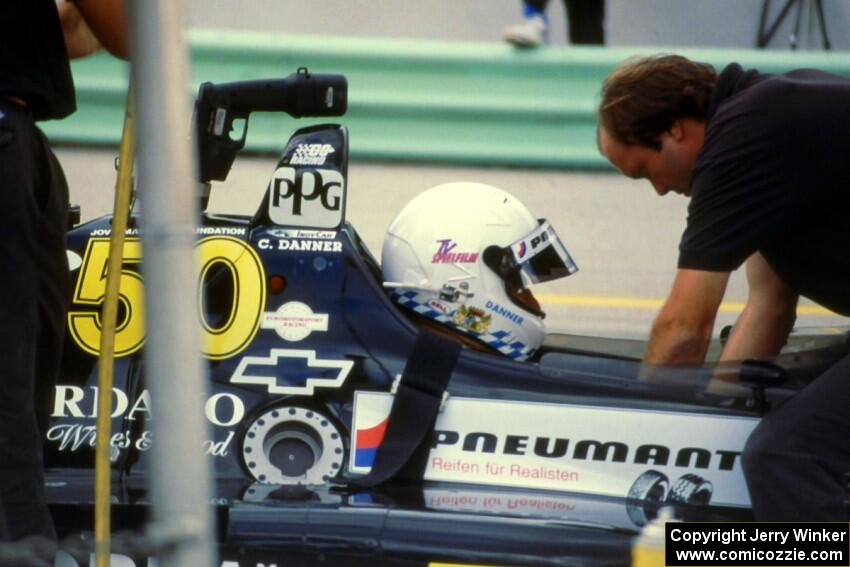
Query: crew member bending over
point(763, 160)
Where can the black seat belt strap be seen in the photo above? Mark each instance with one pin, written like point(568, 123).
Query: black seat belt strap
point(404, 449)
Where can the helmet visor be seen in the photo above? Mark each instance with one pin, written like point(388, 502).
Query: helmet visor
point(540, 256)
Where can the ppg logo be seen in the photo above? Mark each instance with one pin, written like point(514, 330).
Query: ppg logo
point(309, 198)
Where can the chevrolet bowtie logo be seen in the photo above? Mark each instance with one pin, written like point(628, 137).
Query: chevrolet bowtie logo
point(291, 371)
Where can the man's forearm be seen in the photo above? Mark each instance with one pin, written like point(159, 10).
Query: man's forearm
point(682, 331)
point(758, 333)
point(672, 343)
point(89, 25)
point(767, 319)
point(79, 39)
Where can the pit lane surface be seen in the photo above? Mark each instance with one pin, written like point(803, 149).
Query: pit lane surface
point(623, 237)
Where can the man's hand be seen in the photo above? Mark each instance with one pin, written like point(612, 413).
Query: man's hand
point(682, 330)
point(767, 319)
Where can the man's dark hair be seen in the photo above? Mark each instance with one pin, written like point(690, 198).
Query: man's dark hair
point(643, 96)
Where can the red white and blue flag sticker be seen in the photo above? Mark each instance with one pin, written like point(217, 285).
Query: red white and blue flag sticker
point(369, 425)
point(367, 442)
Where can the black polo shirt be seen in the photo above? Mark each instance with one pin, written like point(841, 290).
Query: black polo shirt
point(33, 60)
point(774, 176)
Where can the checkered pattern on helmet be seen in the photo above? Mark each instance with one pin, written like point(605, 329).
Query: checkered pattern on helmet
point(498, 340)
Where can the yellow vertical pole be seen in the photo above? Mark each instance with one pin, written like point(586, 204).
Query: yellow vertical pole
point(109, 315)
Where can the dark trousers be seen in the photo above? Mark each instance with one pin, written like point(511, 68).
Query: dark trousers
point(34, 292)
point(796, 460)
point(585, 19)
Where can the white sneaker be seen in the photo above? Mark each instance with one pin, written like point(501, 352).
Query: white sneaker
point(530, 33)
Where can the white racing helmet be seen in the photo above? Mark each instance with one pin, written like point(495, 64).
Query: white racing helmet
point(465, 254)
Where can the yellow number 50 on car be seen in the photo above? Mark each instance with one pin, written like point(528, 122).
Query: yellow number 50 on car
point(226, 339)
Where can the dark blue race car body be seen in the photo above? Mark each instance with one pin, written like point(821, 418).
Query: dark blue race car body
point(304, 346)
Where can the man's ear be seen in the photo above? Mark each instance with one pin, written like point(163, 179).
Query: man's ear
point(677, 130)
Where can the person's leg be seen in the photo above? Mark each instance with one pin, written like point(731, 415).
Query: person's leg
point(531, 7)
point(796, 460)
point(21, 464)
point(54, 281)
point(534, 28)
point(586, 21)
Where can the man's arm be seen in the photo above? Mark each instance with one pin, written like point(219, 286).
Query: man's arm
point(682, 330)
point(89, 24)
point(767, 319)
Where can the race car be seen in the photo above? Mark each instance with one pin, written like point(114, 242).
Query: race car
point(309, 359)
